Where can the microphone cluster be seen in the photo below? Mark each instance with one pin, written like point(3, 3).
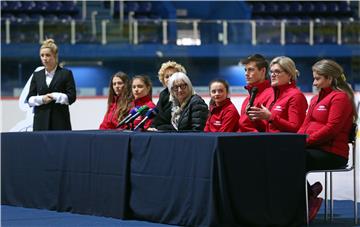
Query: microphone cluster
point(136, 112)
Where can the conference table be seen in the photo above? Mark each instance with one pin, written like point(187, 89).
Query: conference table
point(187, 179)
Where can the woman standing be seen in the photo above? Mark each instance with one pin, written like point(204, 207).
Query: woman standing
point(51, 91)
point(328, 124)
point(223, 114)
point(118, 103)
point(286, 108)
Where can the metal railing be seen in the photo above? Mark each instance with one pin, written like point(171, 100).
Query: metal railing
point(183, 32)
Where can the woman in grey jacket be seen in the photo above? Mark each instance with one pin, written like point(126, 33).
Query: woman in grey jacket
point(189, 111)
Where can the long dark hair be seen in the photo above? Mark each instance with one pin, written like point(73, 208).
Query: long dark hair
point(123, 102)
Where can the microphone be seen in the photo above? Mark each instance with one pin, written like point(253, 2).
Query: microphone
point(253, 93)
point(149, 114)
point(132, 112)
point(139, 112)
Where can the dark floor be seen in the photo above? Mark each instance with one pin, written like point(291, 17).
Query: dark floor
point(18, 216)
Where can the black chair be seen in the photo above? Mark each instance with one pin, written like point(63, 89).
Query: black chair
point(349, 167)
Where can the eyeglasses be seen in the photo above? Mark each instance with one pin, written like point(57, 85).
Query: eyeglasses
point(181, 86)
point(276, 72)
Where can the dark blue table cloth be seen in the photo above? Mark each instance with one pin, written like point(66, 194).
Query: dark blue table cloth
point(191, 179)
point(218, 179)
point(82, 172)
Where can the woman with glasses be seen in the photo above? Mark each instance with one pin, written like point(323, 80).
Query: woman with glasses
point(162, 120)
point(286, 109)
point(223, 115)
point(328, 124)
point(189, 111)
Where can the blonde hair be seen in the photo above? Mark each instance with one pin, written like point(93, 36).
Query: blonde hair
point(332, 70)
point(50, 43)
point(167, 65)
point(288, 65)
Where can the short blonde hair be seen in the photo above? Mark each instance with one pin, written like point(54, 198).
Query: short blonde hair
point(288, 65)
point(169, 64)
point(50, 43)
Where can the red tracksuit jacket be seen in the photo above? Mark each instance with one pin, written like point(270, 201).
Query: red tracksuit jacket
point(262, 97)
point(288, 109)
point(223, 118)
point(110, 120)
point(328, 122)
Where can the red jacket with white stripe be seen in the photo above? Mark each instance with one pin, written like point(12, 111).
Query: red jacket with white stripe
point(328, 122)
point(223, 118)
point(288, 109)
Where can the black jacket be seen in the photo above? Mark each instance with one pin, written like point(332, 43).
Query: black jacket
point(162, 120)
point(52, 116)
point(194, 115)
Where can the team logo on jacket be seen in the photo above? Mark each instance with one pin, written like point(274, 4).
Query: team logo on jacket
point(321, 108)
point(278, 108)
point(217, 123)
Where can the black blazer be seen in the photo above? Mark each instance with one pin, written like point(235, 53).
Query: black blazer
point(52, 116)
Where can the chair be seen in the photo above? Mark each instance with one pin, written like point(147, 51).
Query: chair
point(349, 167)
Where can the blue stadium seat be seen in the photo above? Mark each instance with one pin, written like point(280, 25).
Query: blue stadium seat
point(40, 7)
point(69, 7)
point(27, 6)
point(51, 19)
point(36, 16)
point(131, 6)
point(145, 7)
point(320, 7)
point(272, 7)
point(284, 7)
point(333, 7)
point(308, 7)
point(4, 6)
point(296, 7)
point(344, 7)
point(23, 18)
point(65, 18)
point(9, 16)
point(55, 7)
point(13, 6)
point(258, 7)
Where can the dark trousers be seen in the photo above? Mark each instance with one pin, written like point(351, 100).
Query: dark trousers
point(318, 159)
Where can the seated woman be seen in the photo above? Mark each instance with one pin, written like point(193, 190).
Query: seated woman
point(328, 124)
point(189, 111)
point(162, 120)
point(142, 93)
point(118, 103)
point(223, 114)
point(285, 111)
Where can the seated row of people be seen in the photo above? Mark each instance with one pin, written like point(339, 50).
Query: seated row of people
point(273, 105)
